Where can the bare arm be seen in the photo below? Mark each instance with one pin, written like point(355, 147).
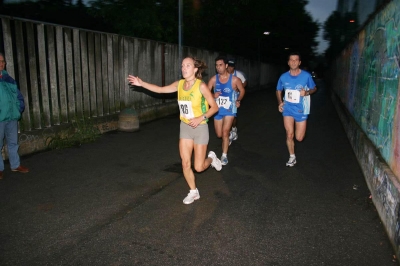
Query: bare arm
point(210, 99)
point(136, 81)
point(194, 122)
point(309, 92)
point(211, 84)
point(280, 100)
point(237, 83)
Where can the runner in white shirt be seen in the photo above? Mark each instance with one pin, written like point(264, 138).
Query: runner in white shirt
point(231, 70)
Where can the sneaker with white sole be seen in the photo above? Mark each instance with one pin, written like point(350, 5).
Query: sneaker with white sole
point(216, 163)
point(224, 160)
point(291, 162)
point(191, 197)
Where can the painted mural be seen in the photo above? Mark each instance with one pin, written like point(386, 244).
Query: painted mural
point(368, 82)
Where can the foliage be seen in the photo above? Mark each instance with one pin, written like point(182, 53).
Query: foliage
point(140, 18)
point(227, 26)
point(81, 131)
point(338, 31)
point(61, 12)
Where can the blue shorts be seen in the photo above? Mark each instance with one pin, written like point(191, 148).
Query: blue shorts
point(295, 112)
point(219, 117)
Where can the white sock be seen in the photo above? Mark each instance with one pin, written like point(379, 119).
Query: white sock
point(293, 155)
point(224, 155)
point(194, 190)
point(234, 129)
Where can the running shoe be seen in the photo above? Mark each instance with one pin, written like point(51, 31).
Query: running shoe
point(235, 134)
point(291, 162)
point(191, 197)
point(230, 138)
point(216, 163)
point(224, 160)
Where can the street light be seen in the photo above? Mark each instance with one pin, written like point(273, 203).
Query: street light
point(180, 34)
point(259, 45)
point(180, 30)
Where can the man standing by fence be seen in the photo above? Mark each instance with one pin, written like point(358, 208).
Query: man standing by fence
point(11, 106)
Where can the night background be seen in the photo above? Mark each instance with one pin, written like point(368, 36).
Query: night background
point(233, 27)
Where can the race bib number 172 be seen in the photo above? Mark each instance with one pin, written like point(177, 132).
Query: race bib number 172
point(223, 101)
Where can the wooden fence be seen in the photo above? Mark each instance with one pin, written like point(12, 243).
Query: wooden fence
point(67, 73)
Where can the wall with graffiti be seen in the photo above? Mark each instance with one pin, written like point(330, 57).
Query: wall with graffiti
point(365, 85)
point(367, 82)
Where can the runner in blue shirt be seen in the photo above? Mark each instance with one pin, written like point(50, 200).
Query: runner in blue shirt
point(297, 86)
point(228, 91)
point(231, 70)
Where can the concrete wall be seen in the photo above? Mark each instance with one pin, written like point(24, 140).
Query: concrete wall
point(365, 83)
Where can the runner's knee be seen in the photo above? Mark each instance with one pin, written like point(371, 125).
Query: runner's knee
point(199, 168)
point(289, 136)
point(186, 164)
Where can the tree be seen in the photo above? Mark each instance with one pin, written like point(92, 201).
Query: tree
point(141, 18)
point(339, 31)
point(61, 12)
point(227, 26)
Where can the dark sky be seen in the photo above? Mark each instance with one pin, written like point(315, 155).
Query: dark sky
point(320, 11)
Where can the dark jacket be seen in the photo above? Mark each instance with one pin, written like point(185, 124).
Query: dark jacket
point(11, 100)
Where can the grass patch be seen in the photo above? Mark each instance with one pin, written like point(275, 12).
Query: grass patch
point(81, 131)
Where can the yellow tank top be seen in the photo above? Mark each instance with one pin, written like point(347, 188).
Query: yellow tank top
point(191, 102)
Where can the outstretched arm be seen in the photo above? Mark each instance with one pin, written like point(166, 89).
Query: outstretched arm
point(136, 81)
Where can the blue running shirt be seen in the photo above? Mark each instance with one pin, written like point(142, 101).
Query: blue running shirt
point(292, 86)
point(226, 101)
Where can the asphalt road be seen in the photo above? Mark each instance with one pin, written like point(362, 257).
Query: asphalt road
point(118, 201)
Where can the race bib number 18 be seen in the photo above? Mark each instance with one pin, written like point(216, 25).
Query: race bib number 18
point(292, 96)
point(186, 110)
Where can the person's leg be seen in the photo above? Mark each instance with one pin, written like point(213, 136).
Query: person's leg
point(234, 123)
point(288, 123)
point(218, 127)
point(201, 138)
point(226, 128)
point(300, 131)
point(233, 135)
point(185, 151)
point(11, 136)
point(2, 130)
point(201, 163)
